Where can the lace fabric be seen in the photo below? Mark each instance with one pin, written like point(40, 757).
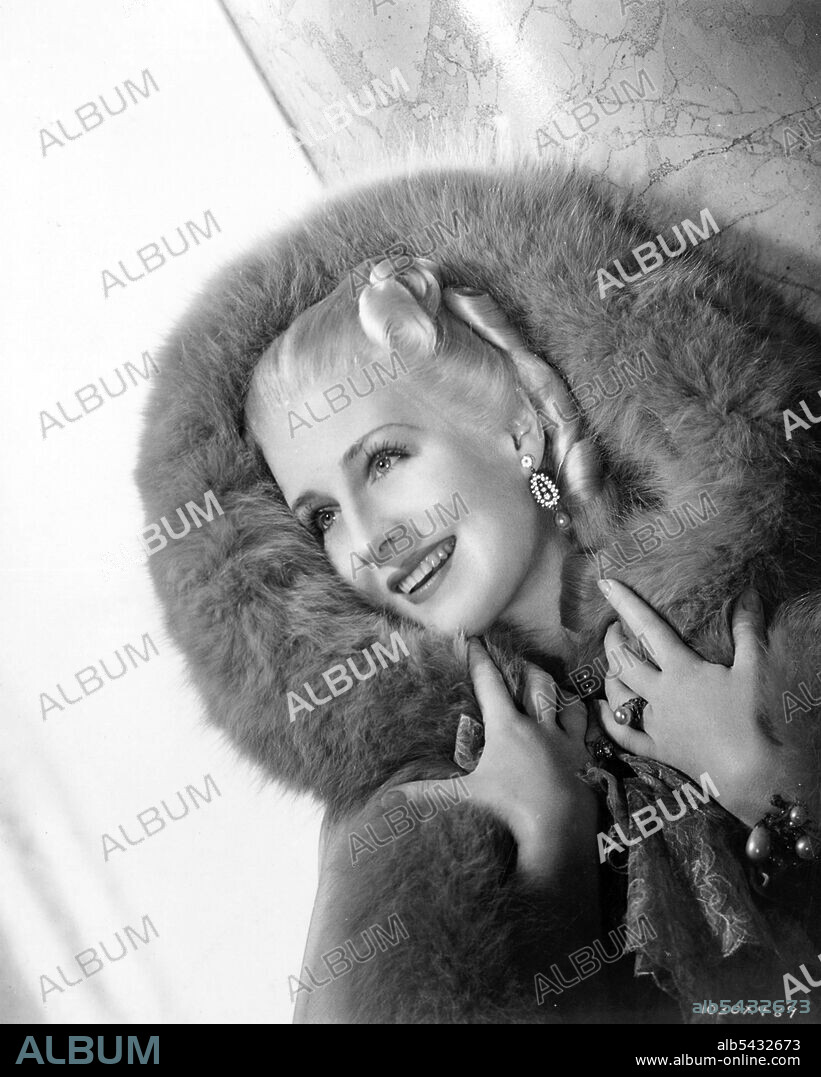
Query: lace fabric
point(694, 921)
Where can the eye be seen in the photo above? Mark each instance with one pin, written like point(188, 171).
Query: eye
point(382, 460)
point(323, 520)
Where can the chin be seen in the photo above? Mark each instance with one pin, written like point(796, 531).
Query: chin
point(450, 616)
point(472, 623)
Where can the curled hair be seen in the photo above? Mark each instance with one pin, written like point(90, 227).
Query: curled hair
point(454, 336)
point(412, 314)
point(574, 458)
point(396, 314)
point(446, 331)
point(400, 313)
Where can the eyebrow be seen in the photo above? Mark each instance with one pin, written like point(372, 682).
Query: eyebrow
point(356, 448)
point(300, 501)
point(349, 455)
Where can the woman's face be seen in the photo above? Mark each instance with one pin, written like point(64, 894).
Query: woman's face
point(420, 511)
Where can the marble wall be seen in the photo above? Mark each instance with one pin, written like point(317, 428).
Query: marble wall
point(690, 104)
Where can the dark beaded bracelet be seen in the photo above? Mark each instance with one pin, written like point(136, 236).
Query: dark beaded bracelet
point(783, 838)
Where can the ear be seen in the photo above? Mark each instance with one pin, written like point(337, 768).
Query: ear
point(526, 430)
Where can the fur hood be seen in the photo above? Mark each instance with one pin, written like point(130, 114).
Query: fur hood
point(250, 597)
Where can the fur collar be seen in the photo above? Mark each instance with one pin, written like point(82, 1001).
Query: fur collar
point(251, 600)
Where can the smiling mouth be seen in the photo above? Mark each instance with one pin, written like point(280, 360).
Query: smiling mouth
point(427, 568)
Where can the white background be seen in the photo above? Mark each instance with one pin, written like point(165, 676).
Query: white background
point(230, 887)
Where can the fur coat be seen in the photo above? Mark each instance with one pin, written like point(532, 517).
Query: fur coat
point(255, 607)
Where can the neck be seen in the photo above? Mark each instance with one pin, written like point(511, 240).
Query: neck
point(535, 608)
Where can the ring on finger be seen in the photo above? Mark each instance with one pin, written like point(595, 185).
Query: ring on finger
point(631, 713)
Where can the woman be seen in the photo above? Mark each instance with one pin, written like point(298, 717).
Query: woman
point(353, 483)
point(255, 602)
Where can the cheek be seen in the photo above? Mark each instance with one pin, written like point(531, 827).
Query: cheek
point(488, 490)
point(501, 546)
point(350, 566)
point(502, 531)
point(504, 504)
point(353, 569)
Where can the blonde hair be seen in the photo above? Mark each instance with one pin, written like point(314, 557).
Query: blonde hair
point(454, 336)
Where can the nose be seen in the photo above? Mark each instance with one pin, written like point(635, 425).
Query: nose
point(374, 546)
point(368, 534)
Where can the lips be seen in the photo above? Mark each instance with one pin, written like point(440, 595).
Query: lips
point(424, 568)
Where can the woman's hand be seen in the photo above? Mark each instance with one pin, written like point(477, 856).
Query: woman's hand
point(701, 717)
point(527, 773)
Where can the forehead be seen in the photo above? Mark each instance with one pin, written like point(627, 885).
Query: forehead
point(305, 440)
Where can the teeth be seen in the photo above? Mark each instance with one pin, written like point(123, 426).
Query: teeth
point(426, 566)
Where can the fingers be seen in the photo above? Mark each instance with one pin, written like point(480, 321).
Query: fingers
point(616, 690)
point(491, 694)
point(572, 717)
point(665, 646)
point(748, 630)
point(618, 693)
point(622, 662)
point(550, 706)
point(631, 740)
point(540, 695)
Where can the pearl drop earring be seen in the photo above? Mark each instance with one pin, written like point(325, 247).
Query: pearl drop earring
point(545, 492)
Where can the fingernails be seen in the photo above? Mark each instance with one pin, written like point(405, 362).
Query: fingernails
point(604, 587)
point(750, 600)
